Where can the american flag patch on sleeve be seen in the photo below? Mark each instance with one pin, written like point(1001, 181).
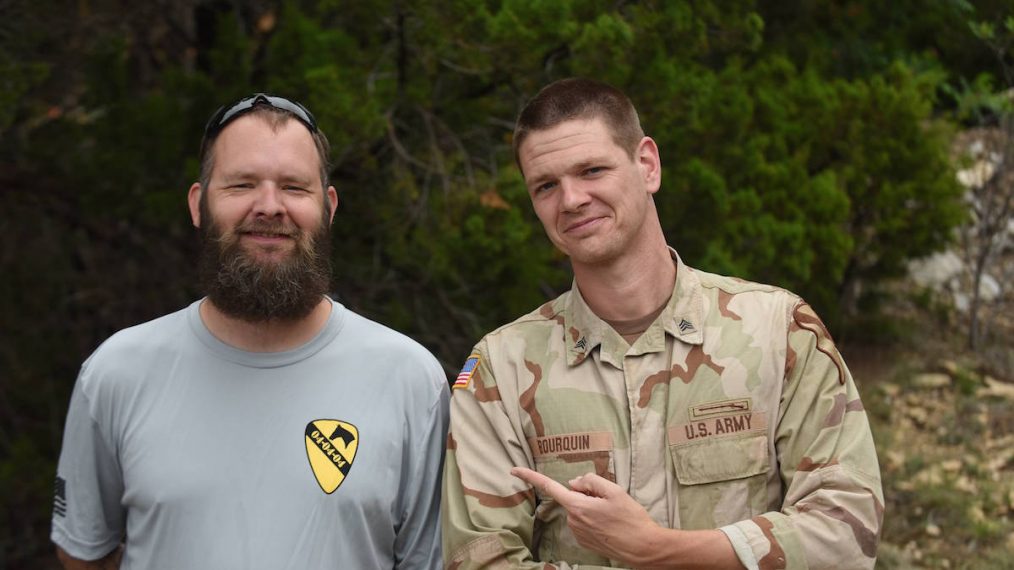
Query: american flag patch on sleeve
point(465, 376)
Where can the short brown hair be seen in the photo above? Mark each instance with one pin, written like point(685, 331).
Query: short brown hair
point(580, 98)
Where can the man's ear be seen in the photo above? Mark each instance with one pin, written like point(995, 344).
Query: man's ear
point(194, 203)
point(332, 199)
point(650, 164)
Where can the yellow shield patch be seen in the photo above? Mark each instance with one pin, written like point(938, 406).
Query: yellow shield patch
point(331, 447)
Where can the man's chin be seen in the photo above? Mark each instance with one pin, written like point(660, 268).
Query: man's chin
point(593, 256)
point(256, 281)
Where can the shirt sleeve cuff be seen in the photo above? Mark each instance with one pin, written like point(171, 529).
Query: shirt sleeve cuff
point(80, 549)
point(741, 545)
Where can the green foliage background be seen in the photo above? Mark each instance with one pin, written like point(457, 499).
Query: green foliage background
point(804, 144)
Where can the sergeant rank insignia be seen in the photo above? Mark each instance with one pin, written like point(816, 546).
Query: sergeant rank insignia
point(331, 448)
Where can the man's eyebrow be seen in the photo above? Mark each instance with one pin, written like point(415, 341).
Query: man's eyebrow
point(237, 175)
point(580, 166)
point(538, 180)
point(297, 179)
point(243, 175)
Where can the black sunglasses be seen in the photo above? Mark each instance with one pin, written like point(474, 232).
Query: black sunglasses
point(226, 115)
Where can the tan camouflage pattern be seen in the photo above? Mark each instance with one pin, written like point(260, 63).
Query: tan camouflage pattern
point(733, 408)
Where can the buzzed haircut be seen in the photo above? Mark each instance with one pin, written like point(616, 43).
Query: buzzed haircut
point(580, 98)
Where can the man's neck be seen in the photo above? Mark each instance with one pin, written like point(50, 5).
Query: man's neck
point(266, 336)
point(630, 287)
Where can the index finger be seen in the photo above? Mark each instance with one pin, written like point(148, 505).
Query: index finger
point(548, 486)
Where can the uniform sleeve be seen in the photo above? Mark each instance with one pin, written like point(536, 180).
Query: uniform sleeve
point(88, 519)
point(833, 507)
point(417, 544)
point(488, 514)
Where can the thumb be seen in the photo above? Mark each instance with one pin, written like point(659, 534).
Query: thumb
point(593, 485)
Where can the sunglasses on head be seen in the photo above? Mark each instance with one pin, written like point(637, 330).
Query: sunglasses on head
point(226, 115)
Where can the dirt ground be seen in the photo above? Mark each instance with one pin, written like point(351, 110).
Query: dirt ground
point(943, 420)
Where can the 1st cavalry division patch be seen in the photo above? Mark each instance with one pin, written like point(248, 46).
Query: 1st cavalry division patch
point(331, 447)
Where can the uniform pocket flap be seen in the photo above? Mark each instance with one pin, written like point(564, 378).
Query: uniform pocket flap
point(566, 456)
point(720, 459)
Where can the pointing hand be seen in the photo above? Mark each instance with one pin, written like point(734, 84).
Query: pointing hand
point(602, 516)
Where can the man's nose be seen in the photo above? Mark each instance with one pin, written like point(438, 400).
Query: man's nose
point(573, 195)
point(268, 200)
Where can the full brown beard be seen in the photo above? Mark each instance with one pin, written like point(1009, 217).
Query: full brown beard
point(254, 290)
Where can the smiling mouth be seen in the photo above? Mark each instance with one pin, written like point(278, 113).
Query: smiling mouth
point(268, 240)
point(578, 226)
point(266, 235)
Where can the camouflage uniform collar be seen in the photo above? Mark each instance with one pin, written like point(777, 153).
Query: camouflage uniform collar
point(683, 318)
point(585, 330)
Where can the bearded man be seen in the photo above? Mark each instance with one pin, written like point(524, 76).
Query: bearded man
point(265, 425)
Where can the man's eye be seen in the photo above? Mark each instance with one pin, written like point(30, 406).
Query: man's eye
point(543, 187)
point(594, 170)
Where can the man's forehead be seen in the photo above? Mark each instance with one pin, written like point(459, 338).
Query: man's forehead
point(577, 135)
point(251, 136)
point(263, 125)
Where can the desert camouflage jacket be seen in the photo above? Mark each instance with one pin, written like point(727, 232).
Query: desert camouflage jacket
point(734, 410)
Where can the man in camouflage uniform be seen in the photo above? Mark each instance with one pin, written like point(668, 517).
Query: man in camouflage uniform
point(654, 415)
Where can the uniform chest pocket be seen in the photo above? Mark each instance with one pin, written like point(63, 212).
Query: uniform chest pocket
point(563, 457)
point(720, 459)
point(566, 456)
point(721, 480)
